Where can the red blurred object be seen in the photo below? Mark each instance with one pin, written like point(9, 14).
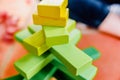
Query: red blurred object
point(10, 24)
point(3, 17)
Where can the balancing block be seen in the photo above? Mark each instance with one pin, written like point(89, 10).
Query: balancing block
point(20, 36)
point(38, 20)
point(46, 73)
point(72, 57)
point(56, 8)
point(36, 43)
point(31, 64)
point(55, 35)
point(34, 28)
point(74, 36)
point(92, 52)
point(87, 74)
point(71, 24)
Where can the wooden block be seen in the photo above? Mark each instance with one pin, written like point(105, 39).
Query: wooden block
point(89, 73)
point(16, 77)
point(55, 35)
point(82, 76)
point(20, 36)
point(72, 57)
point(71, 24)
point(46, 73)
point(92, 52)
point(38, 20)
point(57, 9)
point(34, 28)
point(36, 43)
point(31, 64)
point(75, 36)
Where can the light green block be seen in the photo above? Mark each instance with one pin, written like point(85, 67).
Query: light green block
point(72, 57)
point(58, 35)
point(87, 74)
point(75, 36)
point(36, 43)
point(20, 36)
point(55, 35)
point(46, 73)
point(31, 64)
point(34, 28)
point(71, 24)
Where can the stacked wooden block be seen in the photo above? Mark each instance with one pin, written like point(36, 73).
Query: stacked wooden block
point(51, 43)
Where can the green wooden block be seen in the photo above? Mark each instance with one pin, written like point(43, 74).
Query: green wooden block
point(45, 73)
point(75, 36)
point(58, 35)
point(36, 43)
point(87, 74)
point(55, 35)
point(92, 52)
point(71, 25)
point(31, 64)
point(34, 28)
point(16, 77)
point(72, 57)
point(20, 36)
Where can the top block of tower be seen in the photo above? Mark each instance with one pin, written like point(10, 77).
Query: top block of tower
point(52, 8)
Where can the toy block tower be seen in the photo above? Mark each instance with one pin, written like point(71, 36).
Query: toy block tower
point(51, 42)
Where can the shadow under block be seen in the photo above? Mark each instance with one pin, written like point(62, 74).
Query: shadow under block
point(87, 74)
point(34, 28)
point(72, 57)
point(92, 52)
point(46, 73)
point(20, 36)
point(38, 20)
point(31, 64)
point(36, 43)
point(52, 8)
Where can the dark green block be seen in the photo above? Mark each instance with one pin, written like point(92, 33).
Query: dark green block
point(62, 76)
point(92, 52)
point(17, 77)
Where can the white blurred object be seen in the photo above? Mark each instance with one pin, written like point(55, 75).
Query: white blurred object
point(115, 8)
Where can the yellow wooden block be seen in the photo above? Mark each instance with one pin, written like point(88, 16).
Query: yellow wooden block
point(36, 43)
point(50, 21)
point(56, 8)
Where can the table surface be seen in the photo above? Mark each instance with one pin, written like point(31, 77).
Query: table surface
point(109, 47)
